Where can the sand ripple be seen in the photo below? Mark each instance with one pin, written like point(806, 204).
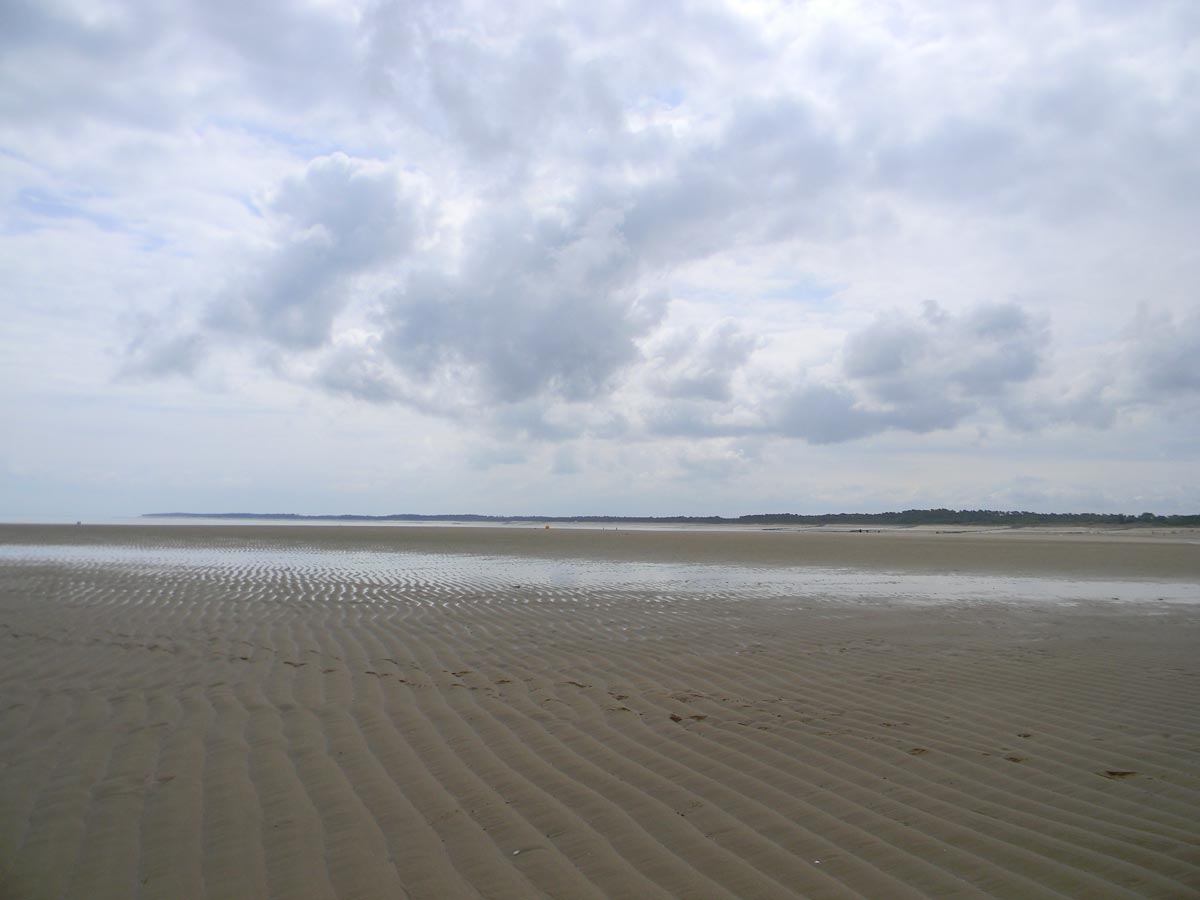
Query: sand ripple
point(228, 719)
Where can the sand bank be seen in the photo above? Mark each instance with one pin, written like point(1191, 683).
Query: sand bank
point(242, 722)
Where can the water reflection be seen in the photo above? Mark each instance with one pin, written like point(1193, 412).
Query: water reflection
point(504, 574)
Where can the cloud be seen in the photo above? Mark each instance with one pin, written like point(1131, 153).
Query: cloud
point(155, 354)
point(1149, 366)
point(569, 225)
point(823, 414)
point(908, 372)
point(357, 370)
point(700, 365)
point(902, 372)
point(522, 252)
point(932, 370)
point(712, 462)
point(565, 461)
point(1164, 355)
point(337, 220)
point(535, 306)
point(772, 172)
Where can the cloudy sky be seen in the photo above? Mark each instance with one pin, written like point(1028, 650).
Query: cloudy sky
point(643, 258)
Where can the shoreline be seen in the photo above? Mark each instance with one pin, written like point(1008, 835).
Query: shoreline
point(1166, 556)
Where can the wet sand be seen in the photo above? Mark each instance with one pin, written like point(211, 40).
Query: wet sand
point(318, 712)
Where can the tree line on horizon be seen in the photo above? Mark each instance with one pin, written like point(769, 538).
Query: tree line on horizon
point(999, 518)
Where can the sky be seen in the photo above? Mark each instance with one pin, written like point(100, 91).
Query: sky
point(620, 258)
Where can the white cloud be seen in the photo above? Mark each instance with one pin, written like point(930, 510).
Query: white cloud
point(613, 229)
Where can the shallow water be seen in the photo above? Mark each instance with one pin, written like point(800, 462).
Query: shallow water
point(573, 577)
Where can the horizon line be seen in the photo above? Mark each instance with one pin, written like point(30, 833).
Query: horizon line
point(937, 515)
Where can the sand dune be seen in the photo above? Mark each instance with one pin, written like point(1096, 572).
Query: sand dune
point(357, 712)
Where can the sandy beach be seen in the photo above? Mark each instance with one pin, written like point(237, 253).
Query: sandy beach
point(231, 711)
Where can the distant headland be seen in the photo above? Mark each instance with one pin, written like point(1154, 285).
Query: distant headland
point(908, 517)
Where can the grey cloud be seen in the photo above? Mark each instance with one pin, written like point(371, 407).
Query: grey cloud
point(1090, 400)
point(359, 205)
point(337, 220)
point(965, 162)
point(70, 68)
point(153, 66)
point(933, 369)
point(494, 105)
point(155, 354)
point(484, 457)
point(823, 414)
point(1006, 344)
point(883, 350)
point(566, 461)
point(711, 464)
point(1073, 132)
point(359, 373)
point(498, 103)
point(295, 55)
point(544, 81)
point(1165, 355)
point(683, 417)
point(773, 173)
point(915, 373)
point(1155, 363)
point(25, 24)
point(535, 307)
point(694, 365)
point(529, 420)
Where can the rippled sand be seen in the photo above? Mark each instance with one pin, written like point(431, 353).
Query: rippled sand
point(419, 712)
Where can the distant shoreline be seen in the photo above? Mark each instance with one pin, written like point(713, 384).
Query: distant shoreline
point(910, 517)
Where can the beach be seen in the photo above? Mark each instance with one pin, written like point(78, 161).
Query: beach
point(244, 711)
